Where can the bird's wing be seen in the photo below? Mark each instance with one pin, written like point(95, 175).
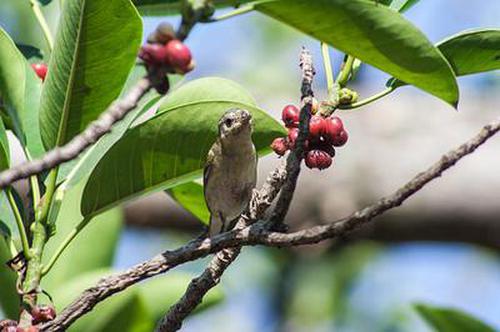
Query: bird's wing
point(214, 151)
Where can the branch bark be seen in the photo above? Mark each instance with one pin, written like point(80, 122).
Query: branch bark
point(78, 144)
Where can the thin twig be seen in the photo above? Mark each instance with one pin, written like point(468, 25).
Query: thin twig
point(259, 234)
point(296, 155)
point(78, 144)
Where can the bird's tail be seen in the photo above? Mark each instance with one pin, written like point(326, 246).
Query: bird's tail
point(216, 225)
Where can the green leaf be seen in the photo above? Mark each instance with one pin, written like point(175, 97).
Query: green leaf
point(451, 320)
point(162, 292)
point(4, 148)
point(170, 148)
point(376, 35)
point(191, 197)
point(8, 227)
point(125, 312)
point(95, 49)
point(404, 5)
point(93, 248)
point(9, 299)
point(172, 7)
point(472, 51)
point(20, 91)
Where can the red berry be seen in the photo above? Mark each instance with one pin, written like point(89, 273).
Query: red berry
point(179, 55)
point(153, 54)
point(290, 116)
point(332, 128)
point(318, 159)
point(40, 70)
point(323, 146)
point(316, 126)
point(279, 146)
point(340, 139)
point(293, 133)
point(42, 314)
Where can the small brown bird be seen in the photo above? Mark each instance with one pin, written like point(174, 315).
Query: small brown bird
point(231, 171)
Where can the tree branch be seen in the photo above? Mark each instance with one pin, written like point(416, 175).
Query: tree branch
point(259, 234)
point(78, 144)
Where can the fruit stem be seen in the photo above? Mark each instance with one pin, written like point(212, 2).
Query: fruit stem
point(43, 210)
point(35, 6)
point(231, 14)
point(346, 71)
point(19, 223)
point(368, 100)
point(65, 244)
point(328, 69)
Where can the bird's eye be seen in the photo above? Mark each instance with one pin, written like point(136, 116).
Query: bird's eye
point(228, 122)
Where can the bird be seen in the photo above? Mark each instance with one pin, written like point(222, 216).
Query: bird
point(230, 172)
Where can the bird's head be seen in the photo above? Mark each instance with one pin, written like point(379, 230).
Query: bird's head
point(234, 123)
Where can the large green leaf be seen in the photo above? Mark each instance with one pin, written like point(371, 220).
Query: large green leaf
point(95, 49)
point(472, 51)
point(376, 35)
point(20, 91)
point(170, 148)
point(451, 320)
point(191, 197)
point(172, 7)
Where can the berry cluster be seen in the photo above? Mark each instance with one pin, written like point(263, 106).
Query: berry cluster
point(40, 70)
point(164, 50)
point(40, 314)
point(324, 135)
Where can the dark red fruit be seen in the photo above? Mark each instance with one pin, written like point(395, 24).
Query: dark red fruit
point(318, 159)
point(332, 128)
point(290, 116)
point(179, 55)
point(293, 133)
point(42, 313)
point(316, 126)
point(154, 54)
point(340, 139)
point(324, 146)
point(40, 70)
point(279, 146)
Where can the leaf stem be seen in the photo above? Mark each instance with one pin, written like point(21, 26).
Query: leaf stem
point(35, 188)
point(328, 68)
point(43, 210)
point(231, 14)
point(65, 244)
point(346, 71)
point(19, 222)
point(35, 6)
point(368, 100)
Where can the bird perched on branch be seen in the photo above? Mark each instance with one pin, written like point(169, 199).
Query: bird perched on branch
point(231, 171)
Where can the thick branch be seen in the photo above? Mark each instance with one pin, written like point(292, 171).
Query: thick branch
point(78, 144)
point(258, 234)
point(213, 273)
